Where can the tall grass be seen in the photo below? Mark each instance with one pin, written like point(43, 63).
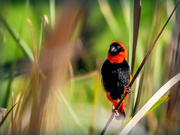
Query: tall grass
point(59, 91)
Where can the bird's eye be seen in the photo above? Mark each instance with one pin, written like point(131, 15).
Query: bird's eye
point(118, 47)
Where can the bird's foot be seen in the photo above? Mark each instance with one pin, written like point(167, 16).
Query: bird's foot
point(116, 113)
point(128, 89)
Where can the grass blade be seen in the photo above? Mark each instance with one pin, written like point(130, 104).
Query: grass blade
point(137, 16)
point(138, 94)
point(126, 12)
point(33, 39)
point(71, 72)
point(7, 115)
point(52, 12)
point(60, 96)
point(161, 100)
point(17, 38)
point(2, 113)
point(131, 32)
point(150, 103)
point(136, 89)
point(108, 15)
point(34, 83)
point(44, 21)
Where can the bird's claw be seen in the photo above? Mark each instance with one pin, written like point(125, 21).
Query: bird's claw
point(128, 89)
point(116, 113)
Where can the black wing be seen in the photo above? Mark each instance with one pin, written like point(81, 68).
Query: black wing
point(115, 77)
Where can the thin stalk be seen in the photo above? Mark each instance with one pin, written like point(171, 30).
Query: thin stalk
point(1, 122)
point(25, 48)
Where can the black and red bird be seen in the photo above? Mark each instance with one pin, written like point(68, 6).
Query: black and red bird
point(116, 75)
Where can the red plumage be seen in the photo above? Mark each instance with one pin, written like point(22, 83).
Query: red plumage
point(116, 74)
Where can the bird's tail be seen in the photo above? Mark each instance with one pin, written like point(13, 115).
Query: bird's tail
point(121, 115)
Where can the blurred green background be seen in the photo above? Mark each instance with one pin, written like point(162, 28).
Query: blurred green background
point(78, 105)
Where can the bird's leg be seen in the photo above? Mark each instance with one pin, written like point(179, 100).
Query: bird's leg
point(116, 113)
point(128, 89)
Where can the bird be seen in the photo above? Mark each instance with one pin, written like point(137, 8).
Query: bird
point(116, 76)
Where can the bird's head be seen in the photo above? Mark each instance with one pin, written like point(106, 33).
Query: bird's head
point(117, 52)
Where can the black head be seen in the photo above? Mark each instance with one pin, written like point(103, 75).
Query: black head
point(115, 48)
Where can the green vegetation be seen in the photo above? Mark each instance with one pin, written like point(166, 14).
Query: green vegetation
point(51, 53)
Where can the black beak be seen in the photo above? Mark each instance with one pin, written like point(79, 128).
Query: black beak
point(113, 49)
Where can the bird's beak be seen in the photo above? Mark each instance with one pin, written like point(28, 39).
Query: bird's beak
point(113, 49)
